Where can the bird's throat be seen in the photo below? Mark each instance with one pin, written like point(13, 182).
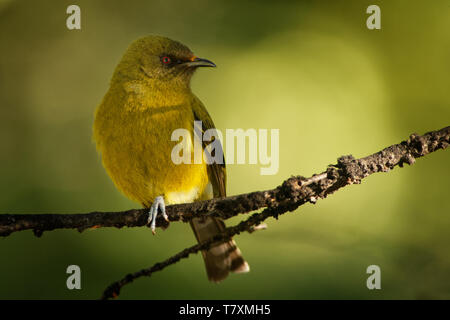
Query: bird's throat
point(151, 94)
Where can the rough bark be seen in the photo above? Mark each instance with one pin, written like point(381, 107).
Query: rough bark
point(293, 192)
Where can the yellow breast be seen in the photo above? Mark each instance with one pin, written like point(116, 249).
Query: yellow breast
point(134, 140)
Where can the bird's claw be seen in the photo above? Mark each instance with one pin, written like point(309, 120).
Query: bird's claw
point(153, 212)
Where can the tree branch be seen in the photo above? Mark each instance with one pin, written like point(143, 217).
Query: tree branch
point(248, 225)
point(319, 186)
point(296, 191)
point(292, 193)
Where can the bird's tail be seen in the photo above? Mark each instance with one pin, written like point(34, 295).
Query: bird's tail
point(221, 258)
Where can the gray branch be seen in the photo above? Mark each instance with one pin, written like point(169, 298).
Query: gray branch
point(291, 194)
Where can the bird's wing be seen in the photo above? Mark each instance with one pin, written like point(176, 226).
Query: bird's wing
point(221, 258)
point(216, 171)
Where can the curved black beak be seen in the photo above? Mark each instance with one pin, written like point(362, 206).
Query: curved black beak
point(199, 62)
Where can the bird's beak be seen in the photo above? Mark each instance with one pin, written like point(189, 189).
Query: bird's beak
point(199, 62)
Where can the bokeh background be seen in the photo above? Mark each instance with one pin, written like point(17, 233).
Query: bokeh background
point(311, 69)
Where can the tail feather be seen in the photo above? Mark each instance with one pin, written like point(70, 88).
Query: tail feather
point(221, 258)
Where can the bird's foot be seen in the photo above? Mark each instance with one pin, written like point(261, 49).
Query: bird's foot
point(153, 213)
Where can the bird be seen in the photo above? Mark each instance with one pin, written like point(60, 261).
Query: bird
point(150, 97)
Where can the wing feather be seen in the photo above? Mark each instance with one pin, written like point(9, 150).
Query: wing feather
point(216, 171)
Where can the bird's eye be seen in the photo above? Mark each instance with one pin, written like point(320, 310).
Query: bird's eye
point(166, 60)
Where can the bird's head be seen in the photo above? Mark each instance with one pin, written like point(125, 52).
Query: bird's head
point(161, 60)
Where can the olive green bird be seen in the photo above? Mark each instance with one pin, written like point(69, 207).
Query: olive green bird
point(150, 97)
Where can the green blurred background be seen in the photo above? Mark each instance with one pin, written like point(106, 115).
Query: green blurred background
point(311, 69)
